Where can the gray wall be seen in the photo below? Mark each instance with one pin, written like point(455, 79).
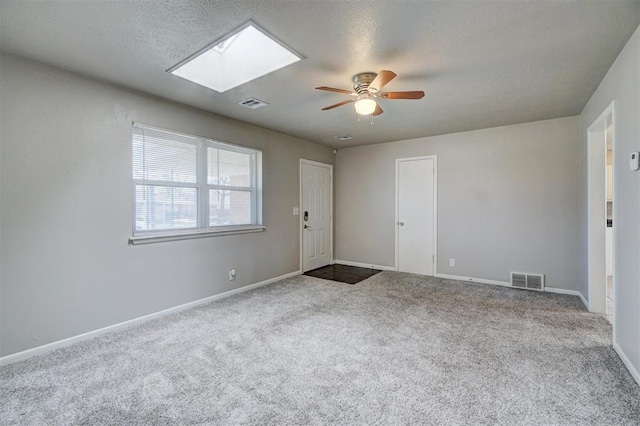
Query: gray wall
point(66, 208)
point(622, 84)
point(507, 201)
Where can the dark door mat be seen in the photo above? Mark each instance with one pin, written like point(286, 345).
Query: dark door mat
point(343, 273)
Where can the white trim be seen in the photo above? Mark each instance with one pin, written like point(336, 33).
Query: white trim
point(435, 209)
point(584, 301)
point(364, 265)
point(562, 291)
point(507, 284)
point(315, 163)
point(595, 253)
point(596, 123)
point(474, 280)
point(300, 211)
point(40, 350)
point(435, 214)
point(232, 230)
point(627, 362)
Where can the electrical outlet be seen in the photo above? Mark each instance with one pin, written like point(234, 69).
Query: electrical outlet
point(452, 262)
point(232, 274)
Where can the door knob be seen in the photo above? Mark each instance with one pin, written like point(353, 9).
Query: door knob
point(307, 227)
point(401, 223)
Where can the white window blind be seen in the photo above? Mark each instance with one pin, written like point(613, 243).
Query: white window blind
point(184, 183)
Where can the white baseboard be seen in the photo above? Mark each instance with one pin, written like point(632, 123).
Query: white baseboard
point(507, 284)
point(627, 362)
point(19, 356)
point(562, 291)
point(364, 265)
point(569, 292)
point(584, 302)
point(473, 280)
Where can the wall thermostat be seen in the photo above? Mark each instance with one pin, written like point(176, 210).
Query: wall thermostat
point(634, 161)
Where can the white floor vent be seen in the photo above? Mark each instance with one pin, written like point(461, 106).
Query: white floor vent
point(527, 281)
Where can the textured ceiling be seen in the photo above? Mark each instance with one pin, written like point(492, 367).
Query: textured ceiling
point(481, 63)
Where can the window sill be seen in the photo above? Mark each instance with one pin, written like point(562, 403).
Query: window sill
point(227, 230)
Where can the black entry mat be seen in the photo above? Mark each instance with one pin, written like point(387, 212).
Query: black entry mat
point(343, 273)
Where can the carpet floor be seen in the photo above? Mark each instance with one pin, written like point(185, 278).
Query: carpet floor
point(394, 349)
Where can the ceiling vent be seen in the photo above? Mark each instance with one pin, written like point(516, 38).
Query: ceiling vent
point(343, 138)
point(253, 103)
point(527, 281)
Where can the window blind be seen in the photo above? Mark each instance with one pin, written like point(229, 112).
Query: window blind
point(179, 180)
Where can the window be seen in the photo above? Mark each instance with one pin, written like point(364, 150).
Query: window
point(185, 185)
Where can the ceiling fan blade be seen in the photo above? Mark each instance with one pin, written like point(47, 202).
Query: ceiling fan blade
point(381, 80)
point(378, 110)
point(338, 104)
point(418, 94)
point(333, 89)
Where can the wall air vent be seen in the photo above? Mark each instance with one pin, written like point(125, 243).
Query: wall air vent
point(253, 103)
point(527, 281)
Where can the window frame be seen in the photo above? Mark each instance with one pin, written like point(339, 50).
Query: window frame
point(203, 226)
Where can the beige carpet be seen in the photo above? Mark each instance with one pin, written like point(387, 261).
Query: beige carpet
point(393, 349)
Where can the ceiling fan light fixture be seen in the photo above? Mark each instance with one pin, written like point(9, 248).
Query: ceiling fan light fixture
point(366, 89)
point(365, 106)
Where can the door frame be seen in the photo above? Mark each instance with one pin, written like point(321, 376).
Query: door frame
point(435, 209)
point(596, 200)
point(300, 215)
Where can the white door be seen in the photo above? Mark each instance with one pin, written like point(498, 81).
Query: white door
point(416, 227)
point(316, 214)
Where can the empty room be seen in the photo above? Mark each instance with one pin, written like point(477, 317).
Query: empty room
point(276, 212)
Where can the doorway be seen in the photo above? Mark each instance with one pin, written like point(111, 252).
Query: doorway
point(609, 231)
point(316, 199)
point(601, 211)
point(416, 228)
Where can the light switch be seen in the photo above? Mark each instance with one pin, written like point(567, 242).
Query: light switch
point(296, 211)
point(634, 161)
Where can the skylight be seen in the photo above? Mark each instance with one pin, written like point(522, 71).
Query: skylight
point(239, 57)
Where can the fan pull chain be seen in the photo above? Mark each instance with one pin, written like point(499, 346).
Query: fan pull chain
point(371, 119)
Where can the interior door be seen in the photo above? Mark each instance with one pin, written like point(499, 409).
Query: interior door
point(316, 215)
point(416, 215)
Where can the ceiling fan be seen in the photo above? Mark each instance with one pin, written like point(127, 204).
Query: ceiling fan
point(367, 87)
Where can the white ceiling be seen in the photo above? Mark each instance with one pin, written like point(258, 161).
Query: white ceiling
point(481, 63)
